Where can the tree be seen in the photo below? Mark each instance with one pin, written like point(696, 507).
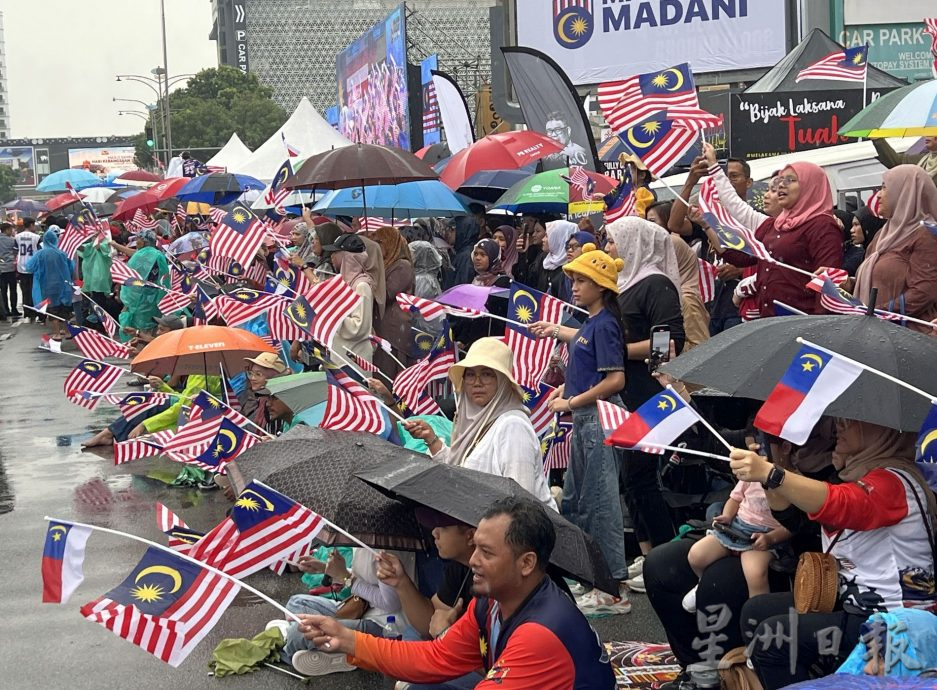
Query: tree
point(8, 178)
point(214, 104)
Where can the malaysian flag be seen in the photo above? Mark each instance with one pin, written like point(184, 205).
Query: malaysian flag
point(245, 304)
point(205, 309)
point(291, 151)
point(611, 416)
point(622, 201)
point(142, 446)
point(180, 215)
point(182, 279)
point(659, 141)
point(874, 204)
point(238, 235)
point(166, 606)
point(849, 64)
point(134, 405)
point(837, 276)
point(121, 272)
point(627, 102)
point(276, 194)
point(709, 202)
point(227, 443)
point(322, 311)
point(426, 308)
point(181, 536)
point(410, 384)
point(362, 363)
point(579, 178)
point(837, 301)
point(372, 223)
point(287, 279)
point(737, 238)
point(350, 407)
point(95, 346)
point(141, 221)
point(531, 356)
point(90, 376)
point(536, 403)
point(174, 301)
point(256, 273)
point(282, 327)
point(204, 423)
point(556, 445)
point(707, 281)
point(930, 27)
point(82, 227)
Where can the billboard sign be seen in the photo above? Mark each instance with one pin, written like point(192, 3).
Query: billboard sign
point(598, 40)
point(373, 97)
point(23, 161)
point(900, 49)
point(103, 160)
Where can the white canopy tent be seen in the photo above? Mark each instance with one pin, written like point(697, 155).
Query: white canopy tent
point(232, 154)
point(306, 131)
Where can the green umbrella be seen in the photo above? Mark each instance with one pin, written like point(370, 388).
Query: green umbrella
point(551, 192)
point(299, 391)
point(910, 111)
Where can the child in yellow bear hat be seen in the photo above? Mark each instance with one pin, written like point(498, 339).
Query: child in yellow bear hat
point(596, 371)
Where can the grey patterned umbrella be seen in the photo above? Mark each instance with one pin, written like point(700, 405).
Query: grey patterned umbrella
point(316, 467)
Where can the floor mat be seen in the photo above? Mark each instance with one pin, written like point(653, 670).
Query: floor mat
point(644, 665)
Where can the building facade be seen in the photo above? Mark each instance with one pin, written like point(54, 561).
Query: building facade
point(4, 96)
point(291, 45)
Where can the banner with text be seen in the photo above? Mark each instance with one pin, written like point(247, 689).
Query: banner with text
point(900, 49)
point(603, 40)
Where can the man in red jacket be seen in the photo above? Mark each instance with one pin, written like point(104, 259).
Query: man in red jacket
point(521, 629)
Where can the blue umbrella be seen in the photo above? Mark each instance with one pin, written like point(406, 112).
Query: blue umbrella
point(79, 179)
point(218, 188)
point(405, 200)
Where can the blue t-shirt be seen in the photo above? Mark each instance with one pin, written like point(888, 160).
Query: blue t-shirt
point(597, 348)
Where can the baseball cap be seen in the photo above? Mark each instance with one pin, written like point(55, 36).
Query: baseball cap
point(346, 243)
point(171, 321)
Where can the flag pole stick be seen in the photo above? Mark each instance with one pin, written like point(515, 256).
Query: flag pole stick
point(184, 557)
point(99, 361)
point(392, 412)
point(871, 370)
point(45, 314)
point(376, 371)
point(704, 422)
point(688, 451)
point(222, 402)
point(798, 312)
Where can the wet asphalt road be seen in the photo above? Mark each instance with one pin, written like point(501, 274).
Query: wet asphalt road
point(44, 472)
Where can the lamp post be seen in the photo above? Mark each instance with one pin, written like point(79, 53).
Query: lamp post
point(151, 117)
point(160, 87)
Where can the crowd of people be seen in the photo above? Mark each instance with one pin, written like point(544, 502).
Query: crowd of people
point(854, 485)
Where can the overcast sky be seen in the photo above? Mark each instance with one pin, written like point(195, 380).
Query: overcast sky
point(62, 57)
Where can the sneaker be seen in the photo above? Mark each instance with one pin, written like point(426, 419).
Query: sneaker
point(282, 625)
point(636, 568)
point(689, 601)
point(315, 663)
point(596, 603)
point(636, 584)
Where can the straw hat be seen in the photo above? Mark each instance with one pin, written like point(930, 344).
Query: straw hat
point(486, 352)
point(625, 158)
point(268, 360)
point(597, 266)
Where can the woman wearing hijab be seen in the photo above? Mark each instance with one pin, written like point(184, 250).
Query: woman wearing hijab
point(550, 277)
point(865, 225)
point(394, 323)
point(530, 249)
point(320, 268)
point(141, 304)
point(649, 295)
point(486, 258)
point(52, 279)
point(804, 235)
point(852, 255)
point(427, 264)
point(574, 247)
point(492, 431)
point(901, 262)
point(349, 259)
point(467, 230)
point(506, 237)
point(303, 240)
point(877, 522)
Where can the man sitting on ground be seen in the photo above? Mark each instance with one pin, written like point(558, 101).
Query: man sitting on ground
point(520, 628)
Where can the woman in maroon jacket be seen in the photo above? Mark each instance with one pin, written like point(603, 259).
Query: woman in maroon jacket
point(804, 235)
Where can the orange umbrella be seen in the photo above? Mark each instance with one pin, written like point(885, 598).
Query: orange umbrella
point(199, 350)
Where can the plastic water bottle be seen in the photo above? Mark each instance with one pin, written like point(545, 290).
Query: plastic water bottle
point(392, 629)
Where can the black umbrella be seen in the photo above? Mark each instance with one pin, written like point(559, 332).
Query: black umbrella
point(316, 468)
point(359, 165)
point(750, 359)
point(466, 494)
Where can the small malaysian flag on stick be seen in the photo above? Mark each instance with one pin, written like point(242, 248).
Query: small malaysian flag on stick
point(625, 103)
point(121, 272)
point(426, 308)
point(90, 376)
point(238, 235)
point(349, 407)
point(95, 345)
point(707, 281)
point(322, 311)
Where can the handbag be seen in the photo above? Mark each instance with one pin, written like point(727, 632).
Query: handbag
point(353, 608)
point(735, 674)
point(816, 580)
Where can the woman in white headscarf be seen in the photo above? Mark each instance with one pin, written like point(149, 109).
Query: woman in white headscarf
point(492, 431)
point(649, 295)
point(549, 270)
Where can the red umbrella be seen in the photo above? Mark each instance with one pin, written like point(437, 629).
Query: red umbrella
point(506, 151)
point(62, 200)
point(146, 201)
point(138, 178)
point(167, 188)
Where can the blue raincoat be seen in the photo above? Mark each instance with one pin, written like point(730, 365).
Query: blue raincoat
point(52, 271)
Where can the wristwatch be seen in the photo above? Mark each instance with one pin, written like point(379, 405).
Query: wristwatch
point(775, 477)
